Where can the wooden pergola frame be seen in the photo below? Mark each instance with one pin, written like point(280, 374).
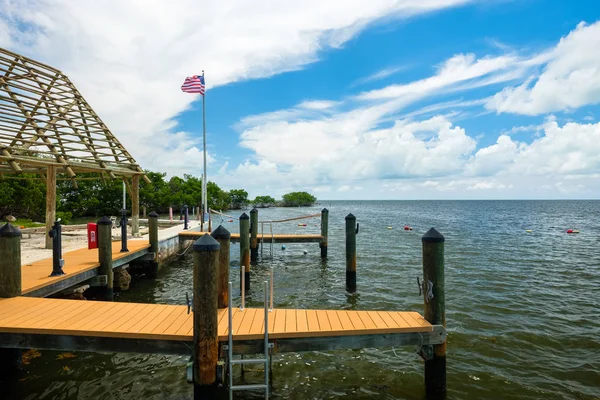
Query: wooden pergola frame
point(48, 128)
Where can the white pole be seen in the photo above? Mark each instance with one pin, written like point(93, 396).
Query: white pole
point(204, 186)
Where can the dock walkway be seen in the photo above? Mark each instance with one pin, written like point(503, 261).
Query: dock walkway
point(80, 265)
point(276, 238)
point(158, 328)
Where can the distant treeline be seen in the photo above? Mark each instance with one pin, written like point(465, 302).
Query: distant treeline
point(26, 198)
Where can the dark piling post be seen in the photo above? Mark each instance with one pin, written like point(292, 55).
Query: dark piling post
point(153, 239)
point(351, 231)
point(10, 286)
point(105, 254)
point(201, 219)
point(57, 261)
point(324, 228)
point(185, 217)
point(223, 236)
point(206, 269)
point(245, 248)
point(124, 231)
point(254, 235)
point(435, 310)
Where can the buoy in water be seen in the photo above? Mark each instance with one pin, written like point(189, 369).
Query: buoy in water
point(389, 227)
point(407, 228)
point(301, 224)
point(572, 231)
point(528, 230)
point(283, 247)
point(305, 252)
point(229, 220)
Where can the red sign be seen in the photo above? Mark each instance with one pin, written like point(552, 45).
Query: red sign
point(92, 231)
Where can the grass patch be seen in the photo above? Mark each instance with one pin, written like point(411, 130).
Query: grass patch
point(26, 223)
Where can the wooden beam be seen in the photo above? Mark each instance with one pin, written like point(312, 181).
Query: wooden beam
point(50, 202)
point(135, 205)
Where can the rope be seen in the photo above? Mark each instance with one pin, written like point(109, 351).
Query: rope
point(185, 251)
point(220, 213)
point(290, 219)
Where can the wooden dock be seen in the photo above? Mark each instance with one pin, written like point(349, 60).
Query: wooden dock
point(267, 238)
point(60, 324)
point(80, 265)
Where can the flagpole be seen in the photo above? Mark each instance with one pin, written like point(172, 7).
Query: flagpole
point(204, 185)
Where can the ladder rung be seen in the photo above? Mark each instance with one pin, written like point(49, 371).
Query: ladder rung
point(248, 387)
point(249, 361)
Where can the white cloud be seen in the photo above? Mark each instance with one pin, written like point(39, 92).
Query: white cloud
point(317, 104)
point(382, 74)
point(130, 58)
point(570, 80)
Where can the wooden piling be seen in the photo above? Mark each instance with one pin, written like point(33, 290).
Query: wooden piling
point(143, 211)
point(201, 219)
point(135, 205)
point(245, 248)
point(206, 344)
point(105, 254)
point(50, 202)
point(10, 254)
point(350, 253)
point(254, 235)
point(153, 239)
point(435, 310)
point(324, 228)
point(10, 286)
point(223, 236)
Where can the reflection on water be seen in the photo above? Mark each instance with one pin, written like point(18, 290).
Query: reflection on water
point(522, 308)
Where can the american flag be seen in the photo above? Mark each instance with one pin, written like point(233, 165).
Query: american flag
point(194, 84)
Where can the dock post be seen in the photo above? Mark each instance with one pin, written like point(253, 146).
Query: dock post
point(351, 231)
point(209, 221)
point(206, 343)
point(153, 239)
point(254, 235)
point(324, 228)
point(124, 248)
point(223, 236)
point(10, 286)
point(435, 310)
point(171, 214)
point(245, 249)
point(201, 219)
point(105, 254)
point(185, 217)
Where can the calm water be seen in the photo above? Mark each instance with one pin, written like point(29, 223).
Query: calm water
point(523, 309)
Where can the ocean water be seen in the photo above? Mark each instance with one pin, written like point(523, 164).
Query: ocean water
point(523, 309)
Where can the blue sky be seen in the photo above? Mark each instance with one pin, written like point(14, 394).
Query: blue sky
point(348, 100)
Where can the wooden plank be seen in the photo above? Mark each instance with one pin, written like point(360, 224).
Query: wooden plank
point(58, 318)
point(301, 321)
point(39, 310)
point(290, 321)
point(366, 320)
point(166, 323)
point(379, 323)
point(356, 321)
point(151, 325)
point(323, 320)
point(313, 321)
point(124, 316)
point(400, 321)
point(334, 321)
point(258, 325)
point(279, 322)
point(249, 314)
point(136, 318)
point(345, 320)
point(85, 315)
point(101, 323)
point(179, 322)
point(418, 318)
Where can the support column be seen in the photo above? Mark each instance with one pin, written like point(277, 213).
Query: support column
point(324, 229)
point(435, 310)
point(153, 238)
point(206, 343)
point(223, 236)
point(105, 254)
point(10, 286)
point(351, 230)
point(135, 205)
point(254, 235)
point(50, 202)
point(245, 249)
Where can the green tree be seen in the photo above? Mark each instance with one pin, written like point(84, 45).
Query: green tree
point(264, 201)
point(239, 198)
point(218, 199)
point(298, 199)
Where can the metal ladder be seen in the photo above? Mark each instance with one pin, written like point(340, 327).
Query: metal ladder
point(262, 236)
point(265, 360)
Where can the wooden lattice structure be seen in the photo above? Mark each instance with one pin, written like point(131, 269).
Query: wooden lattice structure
point(47, 127)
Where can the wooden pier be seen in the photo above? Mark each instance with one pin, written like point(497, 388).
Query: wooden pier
point(58, 324)
point(80, 265)
point(262, 238)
